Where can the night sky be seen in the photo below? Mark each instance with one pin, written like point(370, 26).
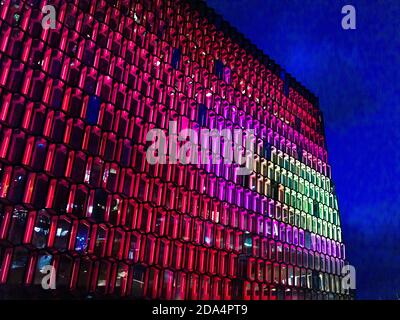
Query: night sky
point(355, 74)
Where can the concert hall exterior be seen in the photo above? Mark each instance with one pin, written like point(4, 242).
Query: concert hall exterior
point(77, 192)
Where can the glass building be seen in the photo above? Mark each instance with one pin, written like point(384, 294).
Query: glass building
point(78, 194)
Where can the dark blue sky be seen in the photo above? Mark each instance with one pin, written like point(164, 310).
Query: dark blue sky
point(355, 73)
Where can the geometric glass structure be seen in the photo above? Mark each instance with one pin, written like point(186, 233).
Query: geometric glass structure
point(78, 194)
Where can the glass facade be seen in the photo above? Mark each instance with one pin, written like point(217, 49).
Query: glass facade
point(76, 190)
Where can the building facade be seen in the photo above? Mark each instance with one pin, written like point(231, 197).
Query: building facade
point(78, 194)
